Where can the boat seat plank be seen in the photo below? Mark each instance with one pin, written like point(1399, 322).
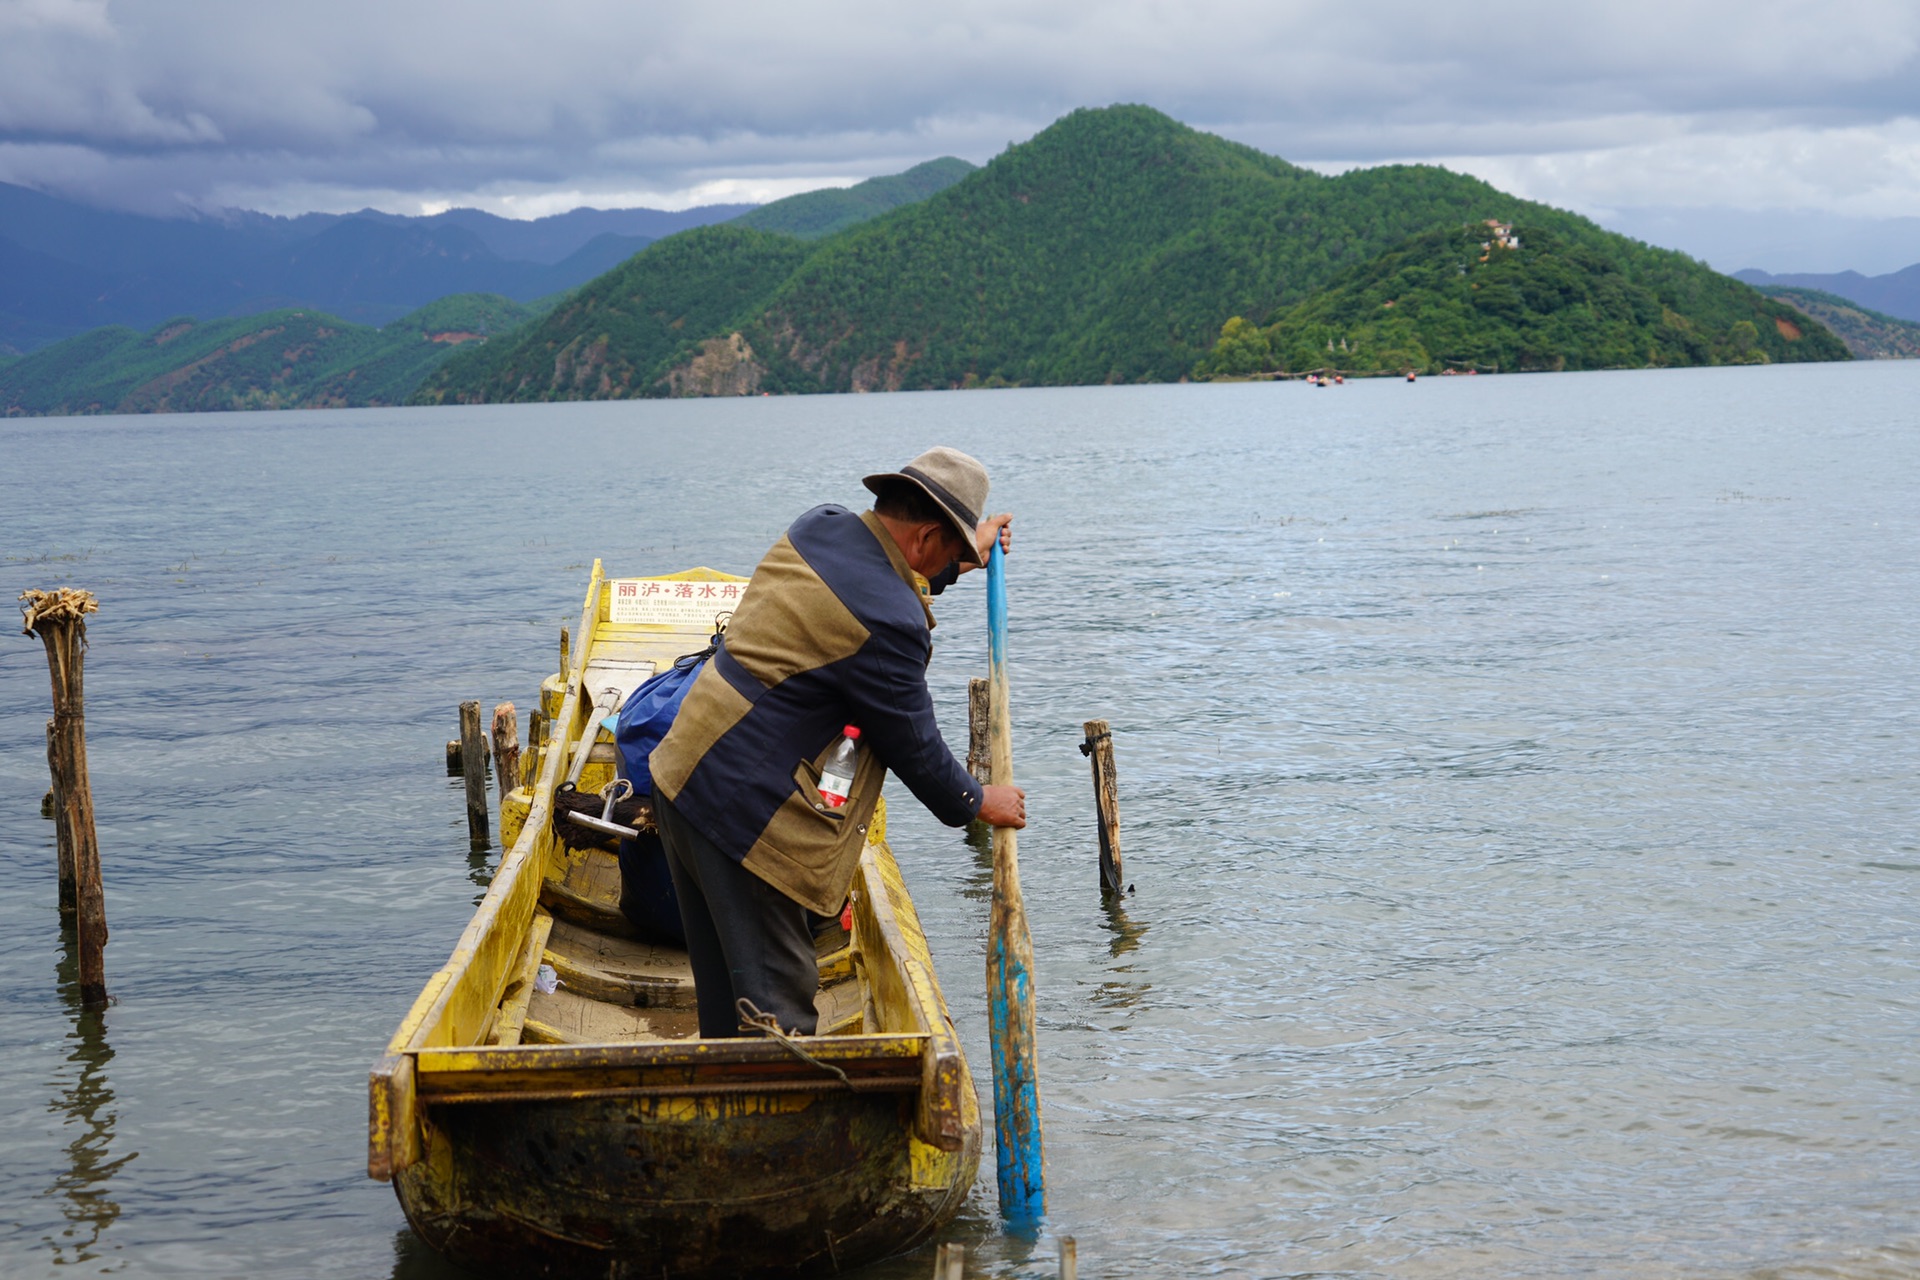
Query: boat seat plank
point(582, 886)
point(841, 1007)
point(620, 970)
point(566, 1017)
point(622, 673)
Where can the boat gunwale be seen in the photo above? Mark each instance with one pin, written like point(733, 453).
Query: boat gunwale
point(669, 1054)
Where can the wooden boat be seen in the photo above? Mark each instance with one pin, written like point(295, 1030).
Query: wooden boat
point(588, 1131)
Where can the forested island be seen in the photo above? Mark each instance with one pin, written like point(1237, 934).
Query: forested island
point(1118, 245)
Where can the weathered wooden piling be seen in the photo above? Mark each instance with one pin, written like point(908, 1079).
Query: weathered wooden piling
point(979, 755)
point(473, 757)
point(950, 1263)
point(456, 766)
point(1069, 1259)
point(58, 618)
point(62, 835)
point(1106, 803)
point(506, 749)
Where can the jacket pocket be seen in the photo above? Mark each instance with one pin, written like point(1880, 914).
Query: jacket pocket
point(806, 778)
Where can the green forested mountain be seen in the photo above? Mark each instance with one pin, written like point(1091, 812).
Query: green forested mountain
point(1111, 247)
point(1869, 334)
point(618, 335)
point(1521, 297)
point(278, 360)
point(813, 214)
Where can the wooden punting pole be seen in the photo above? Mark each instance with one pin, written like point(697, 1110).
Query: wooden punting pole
point(1106, 802)
point(473, 762)
point(58, 618)
point(1016, 1081)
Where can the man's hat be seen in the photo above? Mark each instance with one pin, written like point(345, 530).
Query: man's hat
point(957, 484)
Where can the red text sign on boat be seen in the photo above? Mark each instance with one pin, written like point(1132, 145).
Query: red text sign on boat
point(664, 602)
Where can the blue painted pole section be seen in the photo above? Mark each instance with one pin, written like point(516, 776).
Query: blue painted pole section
point(1016, 1083)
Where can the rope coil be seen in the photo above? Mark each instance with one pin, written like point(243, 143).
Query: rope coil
point(766, 1025)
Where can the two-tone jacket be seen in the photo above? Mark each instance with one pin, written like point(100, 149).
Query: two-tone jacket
point(832, 630)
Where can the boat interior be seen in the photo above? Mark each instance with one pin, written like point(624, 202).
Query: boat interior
point(552, 992)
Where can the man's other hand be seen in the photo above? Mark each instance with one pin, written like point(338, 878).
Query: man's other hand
point(1003, 807)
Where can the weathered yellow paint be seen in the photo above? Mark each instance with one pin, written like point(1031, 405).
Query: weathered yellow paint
point(681, 1155)
point(512, 1018)
point(393, 1136)
point(513, 816)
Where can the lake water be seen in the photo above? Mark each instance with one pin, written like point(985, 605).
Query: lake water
point(1518, 779)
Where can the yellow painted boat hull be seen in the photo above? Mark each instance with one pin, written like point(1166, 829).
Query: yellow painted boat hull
point(589, 1132)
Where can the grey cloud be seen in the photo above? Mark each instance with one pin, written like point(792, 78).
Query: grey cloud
point(204, 100)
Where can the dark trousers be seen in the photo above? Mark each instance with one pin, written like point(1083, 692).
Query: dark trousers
point(744, 937)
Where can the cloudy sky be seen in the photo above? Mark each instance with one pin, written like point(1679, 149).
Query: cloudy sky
point(1737, 113)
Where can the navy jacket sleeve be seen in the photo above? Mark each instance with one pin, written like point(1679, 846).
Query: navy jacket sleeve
point(895, 715)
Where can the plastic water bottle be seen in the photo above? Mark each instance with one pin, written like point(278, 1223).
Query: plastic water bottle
point(836, 775)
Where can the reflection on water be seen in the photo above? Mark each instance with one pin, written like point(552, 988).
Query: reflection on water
point(85, 1107)
point(1122, 991)
point(978, 886)
point(413, 1260)
point(480, 866)
point(1126, 933)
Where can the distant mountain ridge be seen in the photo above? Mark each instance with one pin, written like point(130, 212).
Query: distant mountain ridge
point(1869, 334)
point(284, 359)
point(307, 351)
point(813, 214)
point(1896, 293)
point(67, 267)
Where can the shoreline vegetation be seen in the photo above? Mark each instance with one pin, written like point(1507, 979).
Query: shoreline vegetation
point(1116, 246)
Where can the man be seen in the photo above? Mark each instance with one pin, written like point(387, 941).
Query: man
point(833, 630)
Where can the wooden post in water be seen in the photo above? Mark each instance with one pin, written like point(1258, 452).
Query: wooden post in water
point(506, 750)
point(979, 755)
point(1069, 1259)
point(1106, 803)
point(58, 618)
point(473, 758)
point(1021, 1164)
point(62, 834)
point(950, 1263)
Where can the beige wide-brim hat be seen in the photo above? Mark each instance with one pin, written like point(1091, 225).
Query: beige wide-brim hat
point(956, 482)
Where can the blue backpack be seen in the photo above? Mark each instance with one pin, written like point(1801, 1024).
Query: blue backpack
point(648, 713)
